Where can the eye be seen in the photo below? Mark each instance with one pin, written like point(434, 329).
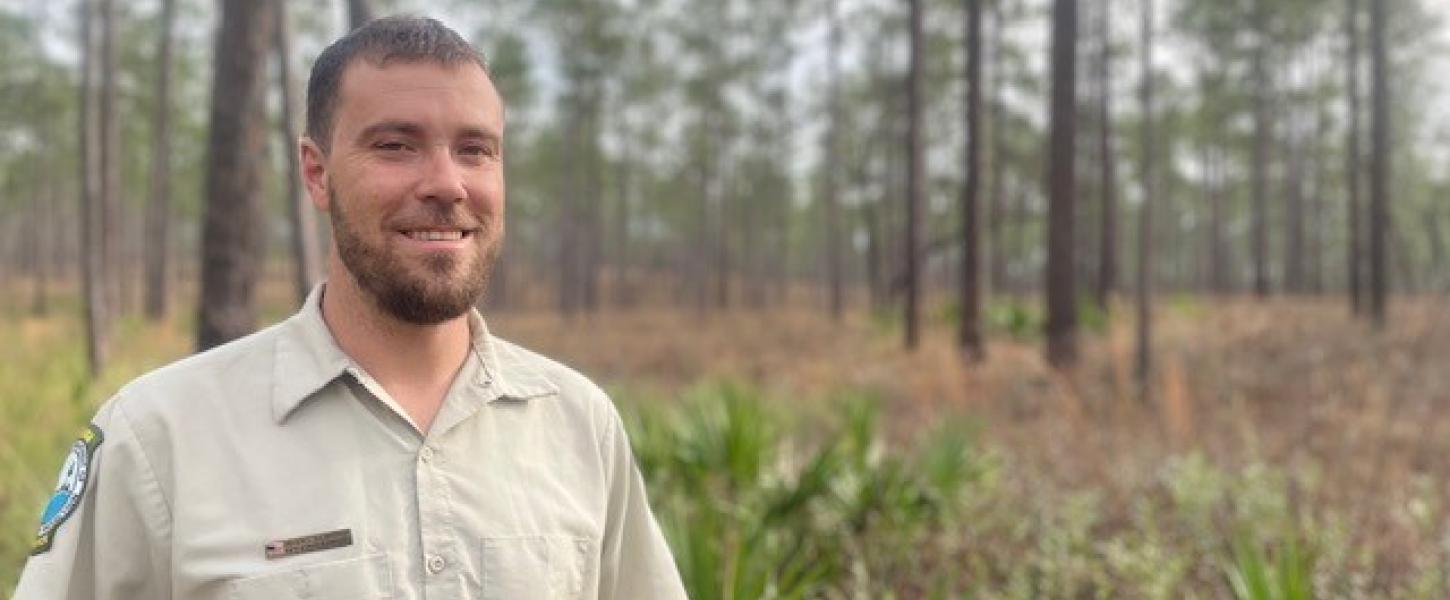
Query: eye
point(478, 151)
point(390, 146)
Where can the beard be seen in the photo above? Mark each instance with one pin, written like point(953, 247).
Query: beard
point(439, 291)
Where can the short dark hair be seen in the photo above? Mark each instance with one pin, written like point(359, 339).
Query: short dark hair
point(380, 41)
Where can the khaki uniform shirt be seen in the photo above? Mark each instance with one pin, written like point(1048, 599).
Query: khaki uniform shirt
point(274, 467)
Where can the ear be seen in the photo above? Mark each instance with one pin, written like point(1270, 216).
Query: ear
point(314, 172)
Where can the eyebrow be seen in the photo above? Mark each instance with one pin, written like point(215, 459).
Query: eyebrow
point(411, 129)
point(479, 133)
point(401, 127)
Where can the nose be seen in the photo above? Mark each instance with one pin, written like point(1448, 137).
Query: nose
point(442, 179)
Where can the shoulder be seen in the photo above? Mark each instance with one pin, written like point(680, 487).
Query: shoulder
point(240, 369)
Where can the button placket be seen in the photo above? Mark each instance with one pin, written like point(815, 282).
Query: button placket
point(433, 517)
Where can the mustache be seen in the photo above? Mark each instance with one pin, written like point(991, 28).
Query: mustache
point(434, 216)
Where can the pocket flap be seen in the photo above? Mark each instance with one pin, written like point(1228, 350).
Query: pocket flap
point(540, 566)
point(365, 576)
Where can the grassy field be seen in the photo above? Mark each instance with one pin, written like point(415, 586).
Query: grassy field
point(1289, 452)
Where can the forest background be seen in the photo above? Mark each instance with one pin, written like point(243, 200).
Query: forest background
point(900, 298)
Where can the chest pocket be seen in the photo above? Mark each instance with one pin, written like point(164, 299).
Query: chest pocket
point(365, 577)
point(543, 567)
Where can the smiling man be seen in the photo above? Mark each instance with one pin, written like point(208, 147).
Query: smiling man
point(380, 443)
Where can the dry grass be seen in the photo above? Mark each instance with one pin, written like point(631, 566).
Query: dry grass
point(1350, 413)
point(1294, 384)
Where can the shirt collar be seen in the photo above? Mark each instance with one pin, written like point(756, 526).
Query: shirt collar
point(504, 375)
point(308, 358)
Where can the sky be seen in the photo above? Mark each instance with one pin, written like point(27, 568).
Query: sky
point(1439, 72)
point(1436, 77)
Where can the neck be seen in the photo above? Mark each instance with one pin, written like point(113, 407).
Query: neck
point(414, 363)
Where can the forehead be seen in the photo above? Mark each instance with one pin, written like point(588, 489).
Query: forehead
point(441, 95)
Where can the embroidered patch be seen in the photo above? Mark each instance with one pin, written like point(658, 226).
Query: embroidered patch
point(69, 489)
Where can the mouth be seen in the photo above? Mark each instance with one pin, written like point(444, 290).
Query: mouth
point(437, 235)
point(438, 239)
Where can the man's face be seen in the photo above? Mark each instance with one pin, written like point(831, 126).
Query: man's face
point(414, 185)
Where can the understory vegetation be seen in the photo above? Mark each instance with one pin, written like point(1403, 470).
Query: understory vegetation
point(1272, 465)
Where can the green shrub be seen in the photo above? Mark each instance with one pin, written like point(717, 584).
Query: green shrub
point(753, 513)
point(1287, 573)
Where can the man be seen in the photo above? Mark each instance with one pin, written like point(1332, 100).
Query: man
point(380, 443)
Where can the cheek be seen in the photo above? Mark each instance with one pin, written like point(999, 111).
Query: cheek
point(488, 195)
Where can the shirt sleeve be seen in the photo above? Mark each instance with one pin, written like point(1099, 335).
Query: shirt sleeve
point(114, 543)
point(636, 563)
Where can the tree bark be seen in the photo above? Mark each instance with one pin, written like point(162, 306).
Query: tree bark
point(45, 237)
point(236, 149)
point(306, 251)
point(1218, 255)
point(359, 12)
point(1261, 151)
point(969, 336)
point(568, 228)
point(1354, 260)
point(622, 290)
point(111, 220)
point(1144, 362)
point(93, 281)
point(997, 219)
point(834, 263)
point(592, 222)
point(158, 205)
point(1061, 289)
point(1108, 239)
point(914, 169)
point(1294, 271)
point(1379, 167)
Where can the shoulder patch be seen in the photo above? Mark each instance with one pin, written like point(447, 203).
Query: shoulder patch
point(70, 487)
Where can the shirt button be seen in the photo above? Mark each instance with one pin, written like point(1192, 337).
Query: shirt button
point(427, 454)
point(436, 564)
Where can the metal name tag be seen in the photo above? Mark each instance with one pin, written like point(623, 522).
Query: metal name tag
point(309, 543)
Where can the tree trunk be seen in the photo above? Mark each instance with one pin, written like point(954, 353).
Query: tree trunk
point(1144, 363)
point(834, 263)
point(93, 280)
point(622, 287)
point(359, 12)
point(1379, 166)
point(1218, 255)
point(45, 238)
point(723, 220)
point(1108, 238)
point(914, 169)
point(970, 334)
point(593, 194)
point(1436, 239)
point(158, 205)
point(1261, 151)
point(1294, 271)
point(1317, 209)
point(306, 252)
point(700, 254)
point(111, 221)
point(1061, 291)
point(232, 234)
point(997, 220)
point(1354, 259)
point(32, 232)
point(568, 228)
